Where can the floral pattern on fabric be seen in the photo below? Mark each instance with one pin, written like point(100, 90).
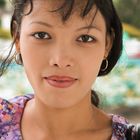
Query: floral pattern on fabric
point(119, 127)
point(11, 113)
point(10, 116)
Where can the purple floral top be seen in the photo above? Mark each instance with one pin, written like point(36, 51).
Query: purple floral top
point(11, 114)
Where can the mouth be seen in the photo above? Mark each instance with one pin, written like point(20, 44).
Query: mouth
point(60, 81)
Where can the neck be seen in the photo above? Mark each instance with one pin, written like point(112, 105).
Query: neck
point(81, 117)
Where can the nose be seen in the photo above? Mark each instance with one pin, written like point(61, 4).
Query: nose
point(61, 58)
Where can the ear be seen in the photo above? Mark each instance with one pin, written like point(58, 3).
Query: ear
point(109, 43)
point(17, 45)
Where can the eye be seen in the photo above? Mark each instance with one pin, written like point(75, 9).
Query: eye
point(86, 39)
point(41, 35)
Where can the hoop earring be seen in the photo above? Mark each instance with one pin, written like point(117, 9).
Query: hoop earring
point(106, 65)
point(18, 59)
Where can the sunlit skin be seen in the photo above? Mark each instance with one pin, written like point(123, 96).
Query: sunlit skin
point(50, 47)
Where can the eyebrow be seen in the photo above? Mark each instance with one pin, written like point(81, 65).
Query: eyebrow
point(81, 28)
point(88, 27)
point(41, 23)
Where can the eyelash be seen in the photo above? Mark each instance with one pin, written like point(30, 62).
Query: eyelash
point(87, 37)
point(41, 33)
point(84, 36)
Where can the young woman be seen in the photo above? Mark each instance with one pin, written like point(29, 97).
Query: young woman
point(64, 46)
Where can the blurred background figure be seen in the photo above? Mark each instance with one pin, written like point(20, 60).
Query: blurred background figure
point(120, 90)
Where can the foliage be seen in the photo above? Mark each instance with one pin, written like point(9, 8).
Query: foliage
point(2, 3)
point(4, 34)
point(121, 86)
point(133, 31)
point(129, 11)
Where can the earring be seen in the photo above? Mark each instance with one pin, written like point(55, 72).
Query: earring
point(18, 59)
point(106, 65)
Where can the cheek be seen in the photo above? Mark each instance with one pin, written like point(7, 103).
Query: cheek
point(30, 54)
point(32, 65)
point(31, 60)
point(91, 65)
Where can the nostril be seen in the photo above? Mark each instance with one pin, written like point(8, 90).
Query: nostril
point(61, 63)
point(56, 65)
point(68, 65)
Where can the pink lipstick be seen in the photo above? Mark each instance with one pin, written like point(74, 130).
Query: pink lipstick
point(60, 81)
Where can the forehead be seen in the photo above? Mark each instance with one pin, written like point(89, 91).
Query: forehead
point(42, 11)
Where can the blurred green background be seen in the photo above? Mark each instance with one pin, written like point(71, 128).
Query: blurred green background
point(119, 91)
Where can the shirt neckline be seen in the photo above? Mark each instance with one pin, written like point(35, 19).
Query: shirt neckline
point(119, 123)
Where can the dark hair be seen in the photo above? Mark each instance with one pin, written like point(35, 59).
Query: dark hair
point(106, 7)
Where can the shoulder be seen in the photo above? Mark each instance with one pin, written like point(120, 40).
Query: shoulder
point(10, 116)
point(119, 125)
point(20, 101)
point(12, 108)
point(9, 107)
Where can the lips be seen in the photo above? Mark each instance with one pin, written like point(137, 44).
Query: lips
point(60, 81)
point(60, 78)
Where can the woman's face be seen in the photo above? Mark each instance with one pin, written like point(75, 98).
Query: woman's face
point(62, 60)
